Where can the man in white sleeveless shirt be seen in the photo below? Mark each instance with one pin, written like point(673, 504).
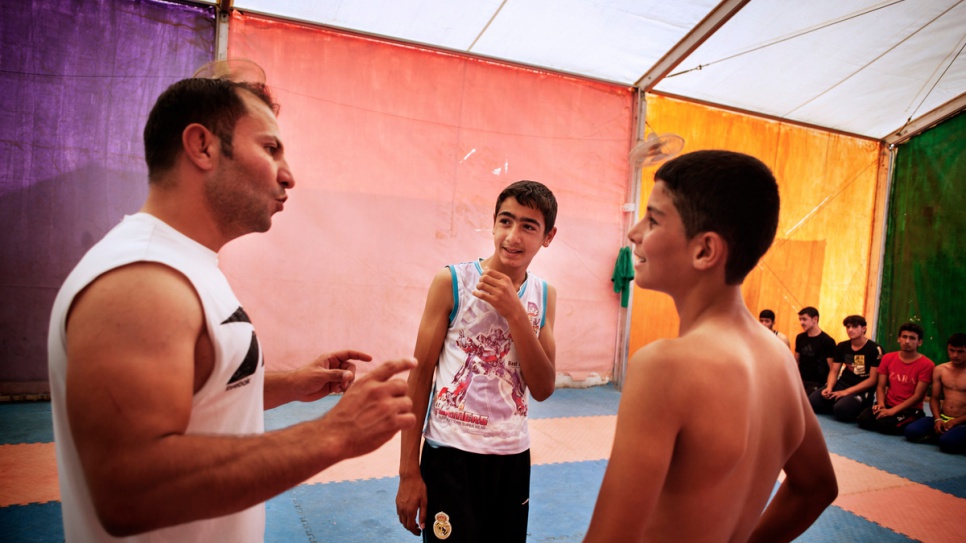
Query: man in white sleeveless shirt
point(157, 376)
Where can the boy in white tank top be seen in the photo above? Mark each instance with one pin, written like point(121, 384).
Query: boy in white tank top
point(485, 339)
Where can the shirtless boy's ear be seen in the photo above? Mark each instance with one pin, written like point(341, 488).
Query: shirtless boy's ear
point(709, 249)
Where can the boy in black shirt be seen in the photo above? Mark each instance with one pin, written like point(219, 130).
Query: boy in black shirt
point(814, 350)
point(847, 395)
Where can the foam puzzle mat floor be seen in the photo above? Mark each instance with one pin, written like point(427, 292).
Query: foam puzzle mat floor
point(889, 490)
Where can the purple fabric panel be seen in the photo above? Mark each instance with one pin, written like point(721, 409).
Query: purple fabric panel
point(77, 80)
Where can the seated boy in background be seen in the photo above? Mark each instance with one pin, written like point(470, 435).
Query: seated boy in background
point(904, 378)
point(948, 402)
point(846, 396)
point(709, 419)
point(767, 319)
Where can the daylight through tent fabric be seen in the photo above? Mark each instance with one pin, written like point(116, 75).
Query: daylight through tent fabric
point(399, 154)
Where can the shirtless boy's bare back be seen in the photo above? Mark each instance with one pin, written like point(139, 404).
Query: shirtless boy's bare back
point(709, 419)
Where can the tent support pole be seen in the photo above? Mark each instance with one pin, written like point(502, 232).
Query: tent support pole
point(630, 217)
point(222, 15)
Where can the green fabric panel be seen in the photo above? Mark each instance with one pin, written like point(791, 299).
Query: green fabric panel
point(924, 266)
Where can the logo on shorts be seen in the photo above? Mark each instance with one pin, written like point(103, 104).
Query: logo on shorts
point(442, 528)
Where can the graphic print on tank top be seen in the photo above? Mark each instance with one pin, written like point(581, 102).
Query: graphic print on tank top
point(497, 384)
point(250, 363)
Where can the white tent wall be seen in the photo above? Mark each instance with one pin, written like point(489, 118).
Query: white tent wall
point(882, 69)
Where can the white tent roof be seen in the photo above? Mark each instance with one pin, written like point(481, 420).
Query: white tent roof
point(880, 69)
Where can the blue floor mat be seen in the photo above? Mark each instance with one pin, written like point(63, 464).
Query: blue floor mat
point(27, 422)
point(34, 523)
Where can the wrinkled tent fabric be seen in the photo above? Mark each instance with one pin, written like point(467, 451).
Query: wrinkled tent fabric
point(923, 276)
point(820, 256)
point(77, 79)
point(399, 154)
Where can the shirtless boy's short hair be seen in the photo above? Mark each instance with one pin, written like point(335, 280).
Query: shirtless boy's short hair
point(213, 103)
point(912, 327)
point(532, 194)
point(732, 194)
point(854, 320)
point(957, 340)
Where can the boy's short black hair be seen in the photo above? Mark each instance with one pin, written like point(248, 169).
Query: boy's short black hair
point(911, 327)
point(732, 194)
point(810, 311)
point(957, 340)
point(854, 320)
point(534, 195)
point(767, 314)
point(213, 103)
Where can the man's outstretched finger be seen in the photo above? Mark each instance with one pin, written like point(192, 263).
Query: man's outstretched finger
point(387, 370)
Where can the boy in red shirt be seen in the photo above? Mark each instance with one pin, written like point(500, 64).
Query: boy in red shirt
point(904, 377)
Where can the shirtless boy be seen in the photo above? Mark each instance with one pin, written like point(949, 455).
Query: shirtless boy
point(948, 400)
point(709, 219)
point(767, 319)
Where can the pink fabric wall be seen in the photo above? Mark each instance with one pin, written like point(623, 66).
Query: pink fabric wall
point(399, 154)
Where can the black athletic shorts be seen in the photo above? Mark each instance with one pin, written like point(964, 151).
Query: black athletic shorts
point(475, 498)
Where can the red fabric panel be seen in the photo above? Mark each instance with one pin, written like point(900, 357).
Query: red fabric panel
point(399, 154)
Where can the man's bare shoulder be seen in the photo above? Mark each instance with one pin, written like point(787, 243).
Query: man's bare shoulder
point(141, 296)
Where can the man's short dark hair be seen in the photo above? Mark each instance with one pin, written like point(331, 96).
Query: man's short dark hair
point(212, 103)
point(767, 314)
point(912, 327)
point(854, 320)
point(810, 311)
point(957, 340)
point(732, 194)
point(534, 195)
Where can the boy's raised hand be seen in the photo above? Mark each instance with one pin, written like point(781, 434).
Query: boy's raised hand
point(497, 289)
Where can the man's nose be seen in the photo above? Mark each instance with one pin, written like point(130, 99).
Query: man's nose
point(285, 177)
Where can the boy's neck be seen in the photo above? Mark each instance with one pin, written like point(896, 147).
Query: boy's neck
point(815, 331)
point(910, 357)
point(707, 301)
point(517, 275)
point(859, 342)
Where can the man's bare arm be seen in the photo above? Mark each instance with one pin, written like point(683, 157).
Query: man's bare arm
point(133, 338)
point(809, 487)
point(330, 373)
point(935, 400)
point(642, 451)
point(411, 496)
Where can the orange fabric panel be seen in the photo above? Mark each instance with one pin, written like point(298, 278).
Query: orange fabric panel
point(821, 252)
point(399, 154)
